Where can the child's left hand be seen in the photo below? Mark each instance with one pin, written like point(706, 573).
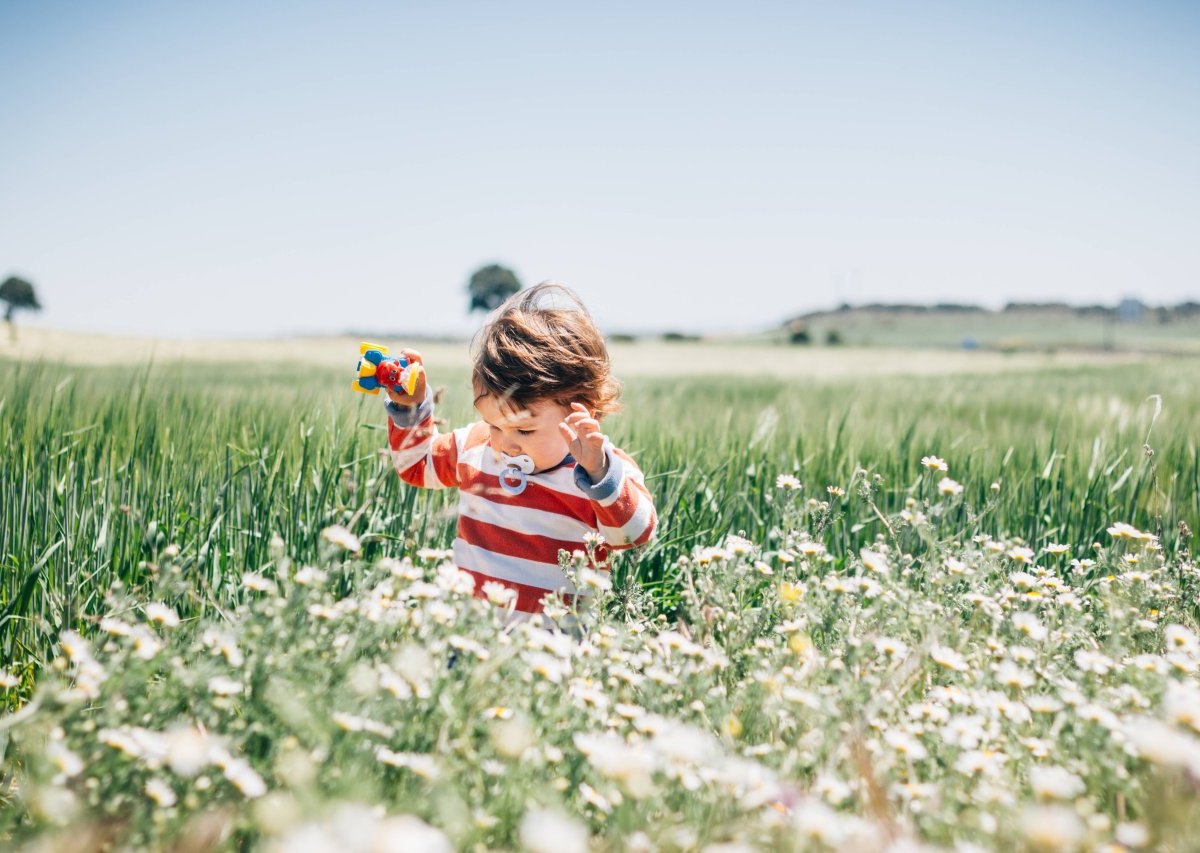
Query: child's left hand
point(582, 433)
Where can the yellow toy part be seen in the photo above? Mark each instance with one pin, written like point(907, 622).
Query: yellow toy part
point(409, 381)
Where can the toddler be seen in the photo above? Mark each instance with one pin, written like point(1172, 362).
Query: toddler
point(535, 474)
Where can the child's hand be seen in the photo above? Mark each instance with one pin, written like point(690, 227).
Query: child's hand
point(582, 433)
point(418, 395)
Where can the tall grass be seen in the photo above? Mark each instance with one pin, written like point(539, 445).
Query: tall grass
point(103, 469)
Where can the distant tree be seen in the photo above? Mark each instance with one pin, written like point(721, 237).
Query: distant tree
point(833, 338)
point(19, 294)
point(490, 286)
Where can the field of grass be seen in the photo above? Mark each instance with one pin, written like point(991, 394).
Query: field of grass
point(780, 667)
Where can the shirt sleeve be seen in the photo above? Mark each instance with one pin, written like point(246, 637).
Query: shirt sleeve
point(422, 456)
point(625, 514)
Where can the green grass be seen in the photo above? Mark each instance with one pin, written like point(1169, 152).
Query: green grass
point(207, 708)
point(103, 468)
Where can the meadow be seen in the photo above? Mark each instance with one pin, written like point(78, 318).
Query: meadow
point(897, 604)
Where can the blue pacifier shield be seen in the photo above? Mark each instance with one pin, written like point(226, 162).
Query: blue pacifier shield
point(514, 474)
point(513, 480)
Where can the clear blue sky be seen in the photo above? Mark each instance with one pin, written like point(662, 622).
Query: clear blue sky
point(258, 168)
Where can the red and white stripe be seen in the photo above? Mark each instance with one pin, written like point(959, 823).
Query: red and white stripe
point(514, 540)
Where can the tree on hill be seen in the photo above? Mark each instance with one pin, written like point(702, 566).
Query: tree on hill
point(490, 286)
point(19, 294)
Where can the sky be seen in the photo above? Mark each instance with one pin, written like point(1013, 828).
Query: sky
point(254, 169)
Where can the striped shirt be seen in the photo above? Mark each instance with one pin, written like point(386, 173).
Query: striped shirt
point(514, 540)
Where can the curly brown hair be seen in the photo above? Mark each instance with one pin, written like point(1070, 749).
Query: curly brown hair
point(542, 344)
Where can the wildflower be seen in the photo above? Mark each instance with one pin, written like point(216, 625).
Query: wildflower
point(833, 790)
point(145, 644)
point(1021, 555)
point(593, 798)
point(947, 657)
point(948, 487)
point(1182, 704)
point(418, 763)
point(1098, 714)
point(1051, 827)
point(611, 756)
point(1180, 639)
point(8, 681)
point(791, 593)
point(1023, 580)
point(738, 546)
point(546, 831)
point(1022, 654)
point(814, 821)
point(161, 792)
point(1132, 835)
point(64, 760)
point(933, 463)
point(323, 612)
point(1010, 675)
point(836, 491)
point(499, 594)
point(788, 483)
point(512, 738)
point(590, 579)
point(928, 711)
point(352, 723)
point(964, 731)
point(1028, 624)
point(1043, 704)
point(1055, 548)
point(342, 538)
point(223, 644)
point(808, 548)
point(454, 580)
point(243, 777)
point(550, 668)
point(906, 745)
point(115, 627)
point(256, 582)
point(983, 762)
point(890, 648)
point(1038, 747)
point(1121, 530)
point(187, 751)
point(222, 686)
point(874, 562)
point(1055, 783)
point(956, 567)
point(163, 615)
point(1095, 662)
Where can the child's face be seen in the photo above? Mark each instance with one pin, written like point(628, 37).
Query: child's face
point(532, 430)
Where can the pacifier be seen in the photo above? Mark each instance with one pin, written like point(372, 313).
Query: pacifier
point(515, 472)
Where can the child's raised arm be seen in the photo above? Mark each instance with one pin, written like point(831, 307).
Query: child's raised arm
point(613, 482)
point(420, 455)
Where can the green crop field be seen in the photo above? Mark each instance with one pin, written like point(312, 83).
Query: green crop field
point(226, 623)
